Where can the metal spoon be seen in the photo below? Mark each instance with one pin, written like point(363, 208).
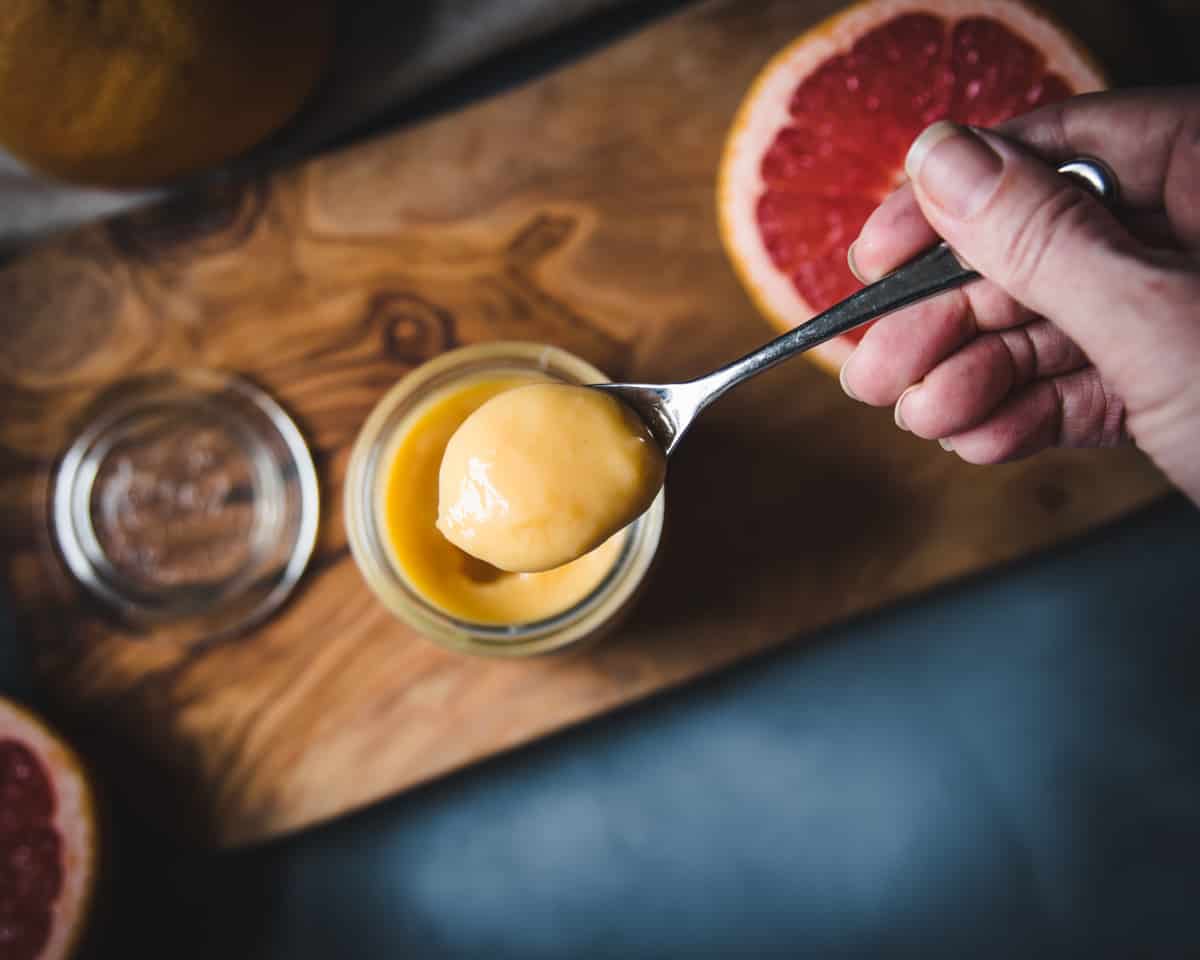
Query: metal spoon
point(669, 408)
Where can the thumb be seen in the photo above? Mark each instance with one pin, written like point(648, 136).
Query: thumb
point(1044, 240)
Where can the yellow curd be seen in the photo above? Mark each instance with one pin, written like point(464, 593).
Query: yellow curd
point(539, 475)
point(450, 579)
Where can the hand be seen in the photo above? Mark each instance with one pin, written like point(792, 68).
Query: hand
point(1086, 328)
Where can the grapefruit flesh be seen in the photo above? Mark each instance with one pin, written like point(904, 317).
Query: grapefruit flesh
point(47, 840)
point(820, 139)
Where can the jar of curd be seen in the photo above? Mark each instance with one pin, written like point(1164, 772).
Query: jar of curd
point(428, 582)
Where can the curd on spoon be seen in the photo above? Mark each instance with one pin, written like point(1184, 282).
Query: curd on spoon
point(540, 475)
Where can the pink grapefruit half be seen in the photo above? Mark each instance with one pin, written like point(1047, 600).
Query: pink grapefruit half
point(819, 140)
point(47, 840)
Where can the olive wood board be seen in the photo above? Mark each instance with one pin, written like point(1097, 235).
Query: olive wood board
point(575, 210)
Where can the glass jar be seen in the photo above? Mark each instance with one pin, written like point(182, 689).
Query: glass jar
point(366, 478)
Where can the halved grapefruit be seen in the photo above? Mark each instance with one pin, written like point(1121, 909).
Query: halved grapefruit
point(47, 840)
point(820, 138)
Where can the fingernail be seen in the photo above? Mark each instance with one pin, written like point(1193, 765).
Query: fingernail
point(946, 444)
point(842, 380)
point(854, 266)
point(957, 170)
point(898, 413)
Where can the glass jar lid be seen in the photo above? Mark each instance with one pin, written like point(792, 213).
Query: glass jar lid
point(189, 498)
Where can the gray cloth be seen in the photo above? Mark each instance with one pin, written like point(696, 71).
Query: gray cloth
point(387, 52)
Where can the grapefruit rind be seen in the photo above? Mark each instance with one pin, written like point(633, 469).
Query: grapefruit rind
point(764, 112)
point(74, 814)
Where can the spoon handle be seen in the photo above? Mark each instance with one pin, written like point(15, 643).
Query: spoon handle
point(935, 271)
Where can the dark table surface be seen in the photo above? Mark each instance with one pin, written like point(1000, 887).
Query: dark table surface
point(1008, 767)
point(1005, 768)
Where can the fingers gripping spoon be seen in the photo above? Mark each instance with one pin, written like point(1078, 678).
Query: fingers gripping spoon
point(669, 409)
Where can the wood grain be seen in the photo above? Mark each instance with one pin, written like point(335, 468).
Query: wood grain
point(577, 211)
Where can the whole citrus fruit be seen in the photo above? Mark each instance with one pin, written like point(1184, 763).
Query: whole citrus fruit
point(820, 138)
point(137, 92)
point(47, 840)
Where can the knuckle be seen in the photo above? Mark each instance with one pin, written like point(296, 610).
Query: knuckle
point(1022, 354)
point(963, 390)
point(1092, 414)
point(1058, 215)
point(1053, 352)
point(1027, 424)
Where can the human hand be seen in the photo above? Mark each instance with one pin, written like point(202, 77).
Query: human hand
point(1086, 328)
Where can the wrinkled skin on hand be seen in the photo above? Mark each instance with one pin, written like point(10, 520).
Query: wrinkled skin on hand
point(1086, 328)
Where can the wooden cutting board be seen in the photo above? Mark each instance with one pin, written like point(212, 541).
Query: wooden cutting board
point(578, 211)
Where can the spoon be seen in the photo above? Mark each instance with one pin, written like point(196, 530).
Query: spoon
point(668, 409)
